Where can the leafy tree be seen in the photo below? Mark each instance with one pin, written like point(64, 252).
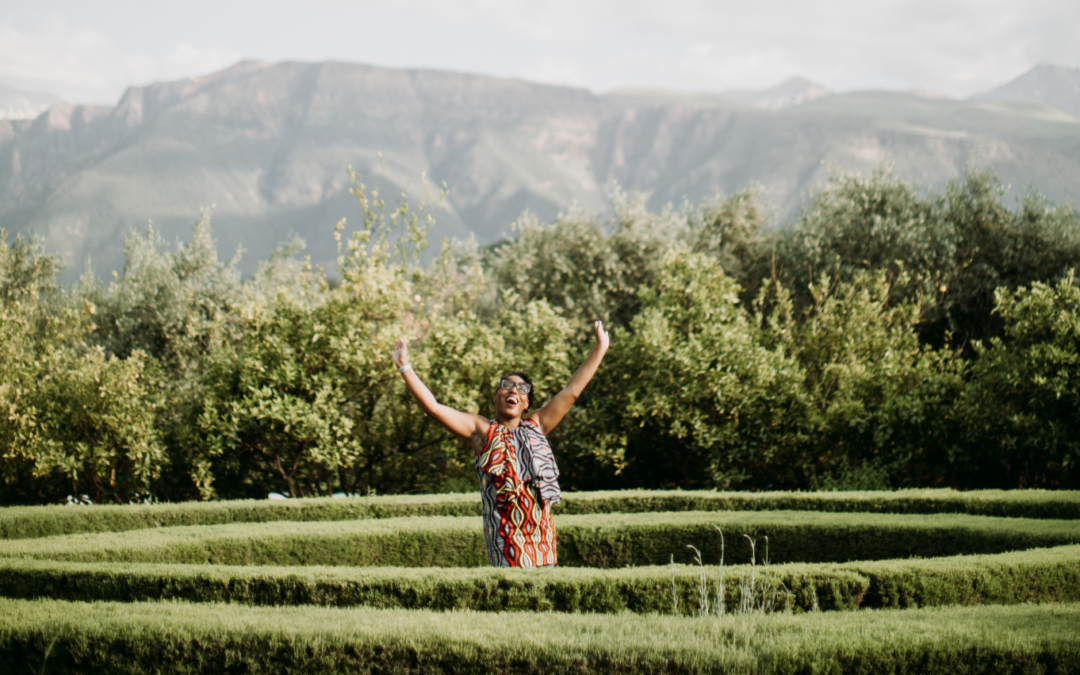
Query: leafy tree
point(171, 304)
point(879, 403)
point(956, 248)
point(996, 248)
point(35, 318)
point(859, 223)
point(702, 403)
point(1021, 409)
point(734, 230)
point(94, 418)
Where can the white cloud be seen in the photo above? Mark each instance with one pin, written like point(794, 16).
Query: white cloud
point(186, 60)
point(957, 47)
point(82, 65)
point(556, 71)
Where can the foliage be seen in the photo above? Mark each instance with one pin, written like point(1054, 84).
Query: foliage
point(696, 384)
point(1022, 407)
point(46, 521)
point(611, 541)
point(36, 323)
point(958, 246)
point(890, 338)
point(477, 589)
point(95, 424)
point(879, 403)
point(178, 638)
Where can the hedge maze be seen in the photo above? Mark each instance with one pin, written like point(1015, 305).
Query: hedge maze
point(910, 581)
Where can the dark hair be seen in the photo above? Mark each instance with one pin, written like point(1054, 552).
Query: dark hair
point(525, 378)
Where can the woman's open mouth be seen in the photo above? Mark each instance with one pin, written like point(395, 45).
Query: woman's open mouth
point(511, 401)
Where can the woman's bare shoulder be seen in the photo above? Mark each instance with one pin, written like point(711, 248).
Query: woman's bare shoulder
point(479, 437)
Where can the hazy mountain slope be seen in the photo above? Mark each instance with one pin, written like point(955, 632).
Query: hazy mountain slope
point(20, 105)
point(268, 145)
point(790, 92)
point(1052, 85)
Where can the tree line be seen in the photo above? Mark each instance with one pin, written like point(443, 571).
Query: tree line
point(888, 337)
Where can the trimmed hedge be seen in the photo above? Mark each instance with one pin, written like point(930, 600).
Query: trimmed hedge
point(177, 638)
point(641, 590)
point(1041, 504)
point(606, 541)
point(22, 522)
point(1043, 575)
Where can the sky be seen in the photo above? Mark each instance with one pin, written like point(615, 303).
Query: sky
point(90, 52)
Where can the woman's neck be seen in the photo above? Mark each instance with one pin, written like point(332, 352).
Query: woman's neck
point(508, 422)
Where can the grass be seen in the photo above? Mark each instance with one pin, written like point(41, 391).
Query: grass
point(277, 587)
point(183, 638)
point(605, 541)
point(1041, 575)
point(639, 590)
point(41, 521)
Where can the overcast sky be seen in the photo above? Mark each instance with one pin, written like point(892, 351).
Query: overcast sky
point(89, 52)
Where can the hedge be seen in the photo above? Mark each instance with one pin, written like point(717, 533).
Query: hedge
point(606, 541)
point(19, 522)
point(1042, 575)
point(640, 589)
point(176, 638)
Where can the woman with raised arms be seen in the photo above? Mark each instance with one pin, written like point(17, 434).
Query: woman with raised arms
point(519, 480)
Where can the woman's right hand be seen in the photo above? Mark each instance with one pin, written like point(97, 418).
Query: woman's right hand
point(400, 355)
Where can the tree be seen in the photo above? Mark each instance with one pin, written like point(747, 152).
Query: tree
point(1022, 409)
point(35, 318)
point(879, 403)
point(94, 418)
point(704, 403)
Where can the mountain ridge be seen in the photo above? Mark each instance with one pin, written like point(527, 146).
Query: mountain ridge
point(1048, 84)
point(268, 144)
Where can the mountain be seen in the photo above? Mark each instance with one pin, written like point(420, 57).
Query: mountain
point(18, 105)
point(789, 92)
point(1050, 85)
point(267, 145)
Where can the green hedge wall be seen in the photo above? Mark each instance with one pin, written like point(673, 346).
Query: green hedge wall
point(1042, 575)
point(42, 521)
point(605, 540)
point(178, 638)
point(639, 590)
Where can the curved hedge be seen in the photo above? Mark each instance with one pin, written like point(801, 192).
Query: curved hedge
point(178, 638)
point(20, 522)
point(1043, 575)
point(606, 541)
point(639, 589)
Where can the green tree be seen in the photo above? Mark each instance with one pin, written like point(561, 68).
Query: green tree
point(879, 403)
point(702, 402)
point(94, 423)
point(36, 317)
point(1022, 409)
point(997, 248)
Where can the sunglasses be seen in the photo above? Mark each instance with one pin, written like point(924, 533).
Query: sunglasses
point(522, 388)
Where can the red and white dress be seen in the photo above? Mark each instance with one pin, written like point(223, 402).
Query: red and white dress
point(518, 483)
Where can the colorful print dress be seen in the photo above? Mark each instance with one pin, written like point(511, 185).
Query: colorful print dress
point(516, 470)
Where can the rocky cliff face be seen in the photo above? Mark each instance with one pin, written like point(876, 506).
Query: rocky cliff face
point(267, 146)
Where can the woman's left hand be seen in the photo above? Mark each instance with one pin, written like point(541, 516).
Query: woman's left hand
point(602, 338)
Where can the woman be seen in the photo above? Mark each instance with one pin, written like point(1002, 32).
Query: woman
point(518, 476)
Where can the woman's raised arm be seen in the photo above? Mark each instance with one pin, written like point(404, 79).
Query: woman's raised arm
point(552, 413)
point(469, 426)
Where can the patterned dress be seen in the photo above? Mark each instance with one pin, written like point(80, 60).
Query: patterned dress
point(516, 470)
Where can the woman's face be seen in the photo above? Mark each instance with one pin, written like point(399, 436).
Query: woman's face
point(509, 402)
